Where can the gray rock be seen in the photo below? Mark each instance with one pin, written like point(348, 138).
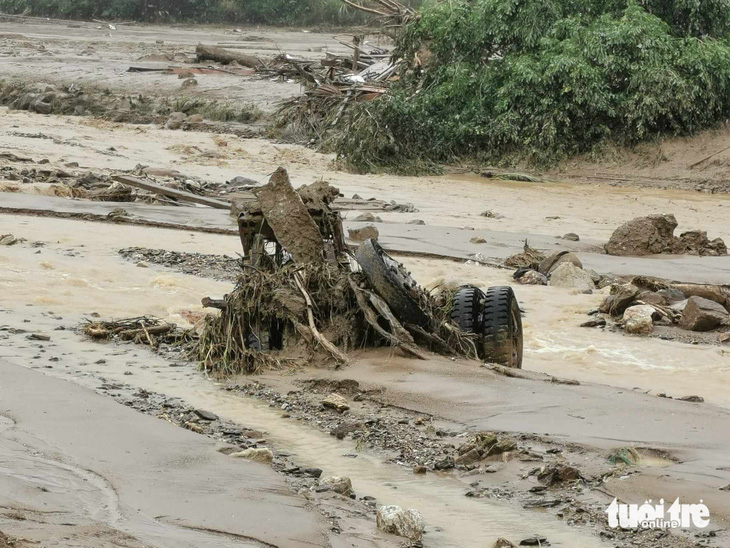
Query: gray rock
point(623, 296)
point(554, 259)
point(649, 297)
point(175, 120)
point(338, 484)
point(672, 295)
point(703, 315)
point(533, 277)
point(206, 415)
point(417, 222)
point(404, 523)
point(572, 236)
point(638, 319)
point(567, 274)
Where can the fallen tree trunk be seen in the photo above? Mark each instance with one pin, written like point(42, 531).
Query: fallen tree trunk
point(226, 57)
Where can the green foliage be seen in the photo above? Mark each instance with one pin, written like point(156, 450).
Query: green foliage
point(275, 12)
point(504, 80)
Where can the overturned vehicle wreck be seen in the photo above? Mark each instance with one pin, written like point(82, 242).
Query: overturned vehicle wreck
point(305, 295)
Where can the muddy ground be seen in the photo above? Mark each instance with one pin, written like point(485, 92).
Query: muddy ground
point(101, 476)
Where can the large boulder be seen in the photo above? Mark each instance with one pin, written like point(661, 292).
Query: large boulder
point(643, 236)
point(404, 523)
point(696, 242)
point(638, 319)
point(549, 263)
point(703, 315)
point(568, 275)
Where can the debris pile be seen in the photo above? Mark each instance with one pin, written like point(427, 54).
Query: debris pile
point(559, 269)
point(142, 330)
point(655, 234)
point(298, 298)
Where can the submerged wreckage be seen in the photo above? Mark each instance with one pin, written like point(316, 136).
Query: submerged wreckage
point(303, 294)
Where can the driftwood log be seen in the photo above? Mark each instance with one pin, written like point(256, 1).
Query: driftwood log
point(226, 57)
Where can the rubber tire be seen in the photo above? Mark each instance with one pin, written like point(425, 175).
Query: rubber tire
point(502, 328)
point(467, 307)
point(389, 280)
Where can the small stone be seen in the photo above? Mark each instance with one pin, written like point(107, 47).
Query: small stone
point(489, 214)
point(206, 415)
point(623, 296)
point(420, 470)
point(8, 239)
point(638, 319)
point(417, 222)
point(478, 240)
point(339, 484)
point(368, 232)
point(533, 277)
point(312, 472)
point(175, 120)
point(195, 119)
point(255, 454)
point(336, 402)
point(551, 262)
point(142, 264)
point(693, 399)
point(404, 523)
point(503, 543)
point(600, 322)
point(189, 83)
point(444, 464)
point(534, 541)
point(571, 236)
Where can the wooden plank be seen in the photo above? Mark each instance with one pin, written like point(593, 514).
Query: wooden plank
point(171, 192)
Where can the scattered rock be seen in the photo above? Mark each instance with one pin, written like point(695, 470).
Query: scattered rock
point(478, 240)
point(8, 239)
point(556, 473)
point(600, 322)
point(625, 455)
point(417, 222)
point(118, 213)
point(368, 232)
point(256, 454)
point(643, 236)
point(549, 263)
point(175, 120)
point(404, 523)
point(503, 543)
point(696, 242)
point(566, 274)
point(693, 399)
point(701, 314)
point(533, 277)
point(38, 337)
point(571, 236)
point(445, 463)
point(420, 469)
point(206, 415)
point(638, 319)
point(336, 402)
point(489, 214)
point(623, 296)
point(672, 295)
point(649, 297)
point(369, 217)
point(339, 484)
point(535, 541)
point(189, 83)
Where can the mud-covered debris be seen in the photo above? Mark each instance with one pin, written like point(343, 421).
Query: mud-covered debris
point(397, 521)
point(557, 473)
point(256, 454)
point(692, 399)
point(339, 484)
point(336, 402)
point(624, 455)
point(477, 240)
point(38, 337)
point(529, 258)
point(703, 315)
point(489, 214)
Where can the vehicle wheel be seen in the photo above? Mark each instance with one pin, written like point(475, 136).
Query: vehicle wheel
point(502, 328)
point(392, 282)
point(467, 305)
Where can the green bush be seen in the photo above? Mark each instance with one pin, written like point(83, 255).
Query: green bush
point(274, 12)
point(540, 80)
